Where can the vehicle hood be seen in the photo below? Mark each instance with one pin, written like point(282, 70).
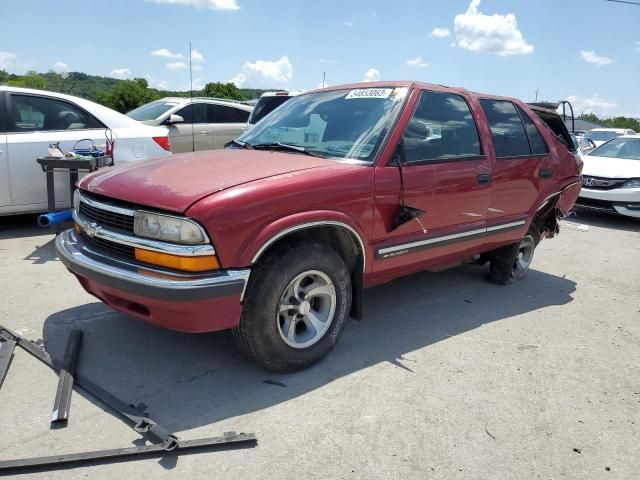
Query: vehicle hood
point(595, 166)
point(175, 183)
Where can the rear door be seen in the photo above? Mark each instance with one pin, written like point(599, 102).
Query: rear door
point(195, 133)
point(33, 123)
point(228, 123)
point(5, 186)
point(521, 155)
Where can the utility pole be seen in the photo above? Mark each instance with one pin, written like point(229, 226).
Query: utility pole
point(193, 135)
point(536, 92)
point(324, 77)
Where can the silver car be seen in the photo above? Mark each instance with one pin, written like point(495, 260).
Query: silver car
point(199, 124)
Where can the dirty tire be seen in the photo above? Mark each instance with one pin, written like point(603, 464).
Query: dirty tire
point(260, 334)
point(510, 263)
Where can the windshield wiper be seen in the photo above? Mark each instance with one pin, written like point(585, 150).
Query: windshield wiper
point(286, 147)
point(239, 143)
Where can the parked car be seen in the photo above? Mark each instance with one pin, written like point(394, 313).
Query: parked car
point(611, 177)
point(602, 135)
point(202, 124)
point(267, 103)
point(582, 147)
point(276, 240)
point(30, 120)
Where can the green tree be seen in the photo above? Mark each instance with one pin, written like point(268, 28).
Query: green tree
point(222, 90)
point(127, 95)
point(30, 79)
point(4, 77)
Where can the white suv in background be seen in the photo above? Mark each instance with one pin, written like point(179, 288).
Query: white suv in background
point(202, 124)
point(601, 135)
point(30, 120)
point(267, 103)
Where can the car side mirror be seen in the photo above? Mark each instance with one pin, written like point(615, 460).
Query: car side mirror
point(173, 118)
point(588, 145)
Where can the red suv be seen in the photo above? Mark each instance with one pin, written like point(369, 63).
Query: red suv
point(337, 190)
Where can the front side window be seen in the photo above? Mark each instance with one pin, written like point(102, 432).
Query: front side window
point(194, 113)
point(31, 113)
point(538, 147)
point(442, 127)
point(224, 114)
point(346, 124)
point(507, 130)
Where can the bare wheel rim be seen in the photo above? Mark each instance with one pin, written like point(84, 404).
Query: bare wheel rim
point(306, 309)
point(524, 256)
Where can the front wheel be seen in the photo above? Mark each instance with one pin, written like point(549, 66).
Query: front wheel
point(511, 263)
point(296, 306)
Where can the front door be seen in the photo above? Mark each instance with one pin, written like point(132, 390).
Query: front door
point(447, 176)
point(195, 133)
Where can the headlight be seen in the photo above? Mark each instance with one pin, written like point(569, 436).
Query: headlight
point(76, 200)
point(633, 183)
point(168, 228)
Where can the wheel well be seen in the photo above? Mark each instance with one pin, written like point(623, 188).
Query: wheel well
point(348, 246)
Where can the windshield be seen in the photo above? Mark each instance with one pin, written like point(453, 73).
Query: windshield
point(343, 123)
point(628, 148)
point(265, 106)
point(601, 136)
point(151, 111)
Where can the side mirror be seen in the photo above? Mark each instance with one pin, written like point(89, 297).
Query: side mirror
point(173, 118)
point(588, 145)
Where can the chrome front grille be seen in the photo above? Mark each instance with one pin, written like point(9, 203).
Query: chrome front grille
point(113, 247)
point(106, 218)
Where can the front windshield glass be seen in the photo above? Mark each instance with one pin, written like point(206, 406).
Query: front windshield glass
point(348, 124)
point(628, 148)
point(601, 136)
point(151, 111)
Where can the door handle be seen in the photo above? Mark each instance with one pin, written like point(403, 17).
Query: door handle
point(545, 173)
point(484, 178)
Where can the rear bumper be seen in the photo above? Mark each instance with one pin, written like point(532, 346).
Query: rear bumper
point(184, 302)
point(622, 201)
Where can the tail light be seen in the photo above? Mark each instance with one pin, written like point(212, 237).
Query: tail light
point(163, 142)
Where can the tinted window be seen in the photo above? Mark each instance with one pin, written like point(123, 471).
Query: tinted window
point(538, 146)
point(151, 111)
point(441, 127)
point(507, 131)
point(194, 113)
point(265, 106)
point(223, 114)
point(31, 113)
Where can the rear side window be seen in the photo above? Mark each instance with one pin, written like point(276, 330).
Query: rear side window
point(265, 106)
point(441, 128)
point(194, 113)
point(224, 114)
point(507, 130)
point(30, 113)
point(538, 147)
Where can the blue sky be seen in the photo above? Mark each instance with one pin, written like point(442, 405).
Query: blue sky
point(585, 50)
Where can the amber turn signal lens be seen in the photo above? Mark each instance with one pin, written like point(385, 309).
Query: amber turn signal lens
point(76, 227)
point(176, 262)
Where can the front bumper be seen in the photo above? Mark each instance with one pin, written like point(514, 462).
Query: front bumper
point(184, 302)
point(623, 201)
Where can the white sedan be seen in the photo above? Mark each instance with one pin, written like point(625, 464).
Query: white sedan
point(611, 177)
point(30, 120)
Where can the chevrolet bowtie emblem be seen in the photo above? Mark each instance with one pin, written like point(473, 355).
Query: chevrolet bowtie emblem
point(91, 229)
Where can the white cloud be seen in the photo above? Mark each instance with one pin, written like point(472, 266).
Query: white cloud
point(592, 57)
point(440, 32)
point(120, 73)
point(417, 62)
point(371, 75)
point(349, 24)
point(60, 67)
point(173, 66)
point(196, 56)
point(198, 84)
point(163, 52)
point(6, 60)
point(212, 4)
point(593, 104)
point(265, 72)
point(495, 33)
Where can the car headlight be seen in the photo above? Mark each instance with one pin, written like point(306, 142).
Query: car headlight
point(168, 228)
point(633, 183)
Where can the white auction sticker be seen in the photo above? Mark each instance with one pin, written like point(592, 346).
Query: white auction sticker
point(369, 93)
